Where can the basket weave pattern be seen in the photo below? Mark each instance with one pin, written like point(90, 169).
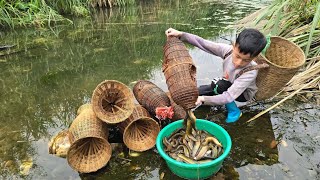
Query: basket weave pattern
point(150, 96)
point(89, 150)
point(284, 59)
point(82, 107)
point(179, 112)
point(112, 101)
point(180, 73)
point(139, 130)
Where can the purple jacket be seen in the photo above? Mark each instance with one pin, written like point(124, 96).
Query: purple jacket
point(245, 84)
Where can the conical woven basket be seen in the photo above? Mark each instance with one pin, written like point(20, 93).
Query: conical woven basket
point(89, 150)
point(139, 130)
point(150, 96)
point(112, 101)
point(179, 112)
point(180, 73)
point(82, 107)
point(284, 59)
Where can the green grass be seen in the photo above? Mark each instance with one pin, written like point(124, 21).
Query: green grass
point(45, 13)
point(315, 25)
point(34, 13)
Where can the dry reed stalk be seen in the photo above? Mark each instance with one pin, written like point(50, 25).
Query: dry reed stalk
point(288, 97)
point(312, 61)
point(299, 80)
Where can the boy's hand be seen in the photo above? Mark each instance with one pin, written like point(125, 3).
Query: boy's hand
point(200, 100)
point(172, 32)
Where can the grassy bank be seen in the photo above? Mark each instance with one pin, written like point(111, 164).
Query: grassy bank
point(39, 13)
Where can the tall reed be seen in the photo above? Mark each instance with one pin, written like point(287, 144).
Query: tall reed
point(295, 20)
point(70, 7)
point(33, 13)
point(299, 22)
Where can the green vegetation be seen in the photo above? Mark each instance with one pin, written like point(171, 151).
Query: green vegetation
point(295, 20)
point(39, 13)
point(70, 7)
point(33, 13)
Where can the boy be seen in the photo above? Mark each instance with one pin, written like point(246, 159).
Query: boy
point(224, 91)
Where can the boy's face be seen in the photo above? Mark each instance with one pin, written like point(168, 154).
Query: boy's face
point(239, 59)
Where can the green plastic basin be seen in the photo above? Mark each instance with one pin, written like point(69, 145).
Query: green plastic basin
point(195, 171)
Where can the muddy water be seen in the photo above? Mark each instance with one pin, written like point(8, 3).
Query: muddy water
point(54, 71)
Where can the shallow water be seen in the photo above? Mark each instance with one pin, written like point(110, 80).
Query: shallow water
point(55, 71)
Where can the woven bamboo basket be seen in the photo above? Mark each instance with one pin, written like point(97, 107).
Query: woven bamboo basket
point(284, 59)
point(112, 101)
point(150, 96)
point(139, 130)
point(82, 107)
point(180, 73)
point(179, 112)
point(89, 150)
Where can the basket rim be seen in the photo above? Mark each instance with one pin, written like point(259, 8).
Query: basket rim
point(148, 146)
point(102, 117)
point(140, 119)
point(95, 168)
point(282, 67)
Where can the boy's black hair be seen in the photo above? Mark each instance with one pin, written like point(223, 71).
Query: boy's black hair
point(251, 41)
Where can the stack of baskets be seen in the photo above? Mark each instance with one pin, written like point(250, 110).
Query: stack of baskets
point(112, 103)
point(180, 73)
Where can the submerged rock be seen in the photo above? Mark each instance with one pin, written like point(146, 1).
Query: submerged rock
point(59, 144)
point(26, 166)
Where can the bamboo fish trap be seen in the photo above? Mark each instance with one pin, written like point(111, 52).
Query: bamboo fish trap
point(139, 130)
point(180, 73)
point(112, 101)
point(179, 112)
point(150, 96)
point(90, 149)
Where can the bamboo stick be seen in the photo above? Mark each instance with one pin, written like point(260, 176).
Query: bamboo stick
point(278, 103)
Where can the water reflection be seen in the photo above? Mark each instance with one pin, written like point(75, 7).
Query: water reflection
point(55, 71)
point(125, 167)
